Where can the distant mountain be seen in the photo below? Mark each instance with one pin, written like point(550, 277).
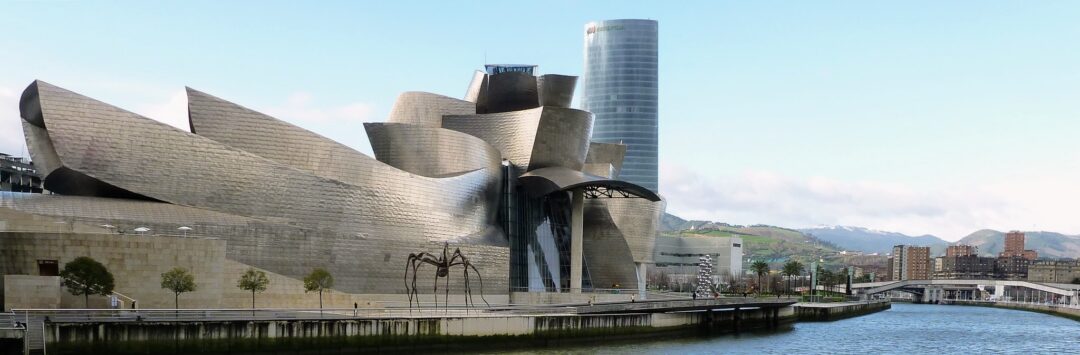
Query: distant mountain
point(772, 244)
point(873, 241)
point(1048, 244)
point(671, 223)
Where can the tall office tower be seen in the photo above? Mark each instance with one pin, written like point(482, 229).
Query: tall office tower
point(621, 90)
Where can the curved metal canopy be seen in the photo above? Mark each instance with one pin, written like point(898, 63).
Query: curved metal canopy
point(547, 180)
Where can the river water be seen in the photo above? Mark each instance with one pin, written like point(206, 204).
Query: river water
point(904, 329)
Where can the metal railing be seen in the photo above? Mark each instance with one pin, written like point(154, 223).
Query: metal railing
point(1015, 302)
point(614, 291)
point(191, 315)
point(53, 229)
point(8, 321)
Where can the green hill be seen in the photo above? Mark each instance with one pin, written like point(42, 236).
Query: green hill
point(775, 245)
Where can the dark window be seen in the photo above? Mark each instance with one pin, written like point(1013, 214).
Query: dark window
point(48, 268)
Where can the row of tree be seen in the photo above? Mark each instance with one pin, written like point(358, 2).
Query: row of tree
point(827, 278)
point(761, 281)
point(85, 276)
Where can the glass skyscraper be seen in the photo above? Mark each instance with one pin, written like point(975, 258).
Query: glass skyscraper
point(621, 90)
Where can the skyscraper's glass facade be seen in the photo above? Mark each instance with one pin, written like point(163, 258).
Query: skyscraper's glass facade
point(621, 90)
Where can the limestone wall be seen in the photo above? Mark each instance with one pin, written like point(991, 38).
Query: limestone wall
point(25, 291)
point(833, 311)
point(567, 298)
point(135, 261)
point(361, 335)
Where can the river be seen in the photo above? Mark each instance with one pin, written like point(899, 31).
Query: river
point(906, 328)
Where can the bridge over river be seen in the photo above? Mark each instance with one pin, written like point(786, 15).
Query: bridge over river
point(935, 291)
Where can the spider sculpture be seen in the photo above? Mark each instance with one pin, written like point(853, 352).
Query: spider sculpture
point(442, 269)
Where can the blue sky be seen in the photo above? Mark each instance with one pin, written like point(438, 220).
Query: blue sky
point(922, 117)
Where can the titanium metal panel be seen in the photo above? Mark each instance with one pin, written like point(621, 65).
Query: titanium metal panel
point(468, 195)
point(562, 139)
point(254, 132)
point(295, 220)
point(511, 133)
point(476, 86)
point(432, 152)
point(506, 92)
point(155, 160)
point(620, 87)
point(359, 263)
point(638, 220)
point(427, 109)
point(534, 138)
point(607, 153)
point(556, 90)
point(606, 252)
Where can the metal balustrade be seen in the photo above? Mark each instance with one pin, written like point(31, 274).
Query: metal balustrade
point(8, 321)
point(152, 315)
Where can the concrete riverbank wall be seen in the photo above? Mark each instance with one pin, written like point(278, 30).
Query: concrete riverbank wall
point(1060, 311)
point(810, 312)
point(395, 334)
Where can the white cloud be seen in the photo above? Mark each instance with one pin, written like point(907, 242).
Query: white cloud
point(11, 135)
point(171, 110)
point(299, 107)
point(750, 197)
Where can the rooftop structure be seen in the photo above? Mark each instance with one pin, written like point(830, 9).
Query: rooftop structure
point(18, 175)
point(961, 250)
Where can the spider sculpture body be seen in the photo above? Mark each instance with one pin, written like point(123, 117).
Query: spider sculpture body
point(442, 266)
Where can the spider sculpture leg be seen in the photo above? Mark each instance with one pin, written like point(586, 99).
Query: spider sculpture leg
point(446, 297)
point(460, 259)
point(464, 262)
point(408, 290)
point(468, 291)
point(415, 290)
point(413, 263)
point(478, 277)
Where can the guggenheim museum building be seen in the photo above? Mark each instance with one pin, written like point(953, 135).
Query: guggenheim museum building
point(508, 175)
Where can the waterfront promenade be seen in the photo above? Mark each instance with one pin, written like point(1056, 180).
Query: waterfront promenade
point(812, 311)
point(1061, 310)
point(141, 331)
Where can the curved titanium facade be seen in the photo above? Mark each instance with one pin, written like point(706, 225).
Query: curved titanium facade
point(476, 86)
point(427, 109)
point(638, 220)
point(432, 152)
point(621, 90)
point(254, 132)
point(606, 250)
point(392, 210)
point(605, 159)
point(506, 92)
point(556, 90)
point(497, 185)
point(534, 138)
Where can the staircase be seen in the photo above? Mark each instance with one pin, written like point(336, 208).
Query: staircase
point(35, 335)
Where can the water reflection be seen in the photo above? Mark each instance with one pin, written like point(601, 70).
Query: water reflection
point(906, 328)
